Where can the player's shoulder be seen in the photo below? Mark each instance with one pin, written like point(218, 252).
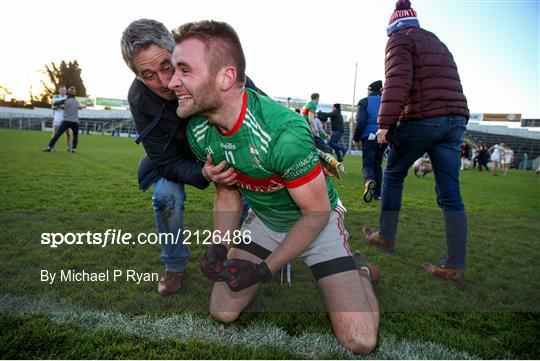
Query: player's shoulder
point(197, 131)
point(270, 114)
point(310, 106)
point(197, 123)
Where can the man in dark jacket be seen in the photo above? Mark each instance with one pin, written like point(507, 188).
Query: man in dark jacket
point(168, 164)
point(483, 158)
point(423, 109)
point(336, 125)
point(365, 131)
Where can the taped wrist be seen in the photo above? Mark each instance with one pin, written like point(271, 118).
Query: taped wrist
point(263, 272)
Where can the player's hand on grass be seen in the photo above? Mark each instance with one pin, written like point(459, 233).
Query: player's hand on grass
point(241, 274)
point(217, 174)
point(212, 262)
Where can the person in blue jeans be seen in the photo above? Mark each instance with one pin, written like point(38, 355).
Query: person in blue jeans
point(337, 127)
point(168, 204)
point(441, 138)
point(372, 152)
point(423, 110)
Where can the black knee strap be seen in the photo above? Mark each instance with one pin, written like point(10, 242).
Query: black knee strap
point(254, 249)
point(333, 266)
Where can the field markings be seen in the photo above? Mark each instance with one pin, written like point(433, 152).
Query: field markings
point(308, 345)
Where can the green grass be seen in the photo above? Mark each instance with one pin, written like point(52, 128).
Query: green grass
point(24, 337)
point(96, 189)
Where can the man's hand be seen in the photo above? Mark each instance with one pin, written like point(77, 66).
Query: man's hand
point(215, 173)
point(212, 263)
point(241, 274)
point(381, 136)
point(327, 171)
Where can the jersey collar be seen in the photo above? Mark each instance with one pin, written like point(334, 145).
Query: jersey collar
point(240, 119)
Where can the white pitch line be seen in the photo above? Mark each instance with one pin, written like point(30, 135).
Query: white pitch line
point(181, 327)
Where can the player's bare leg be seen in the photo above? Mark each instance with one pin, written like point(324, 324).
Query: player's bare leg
point(495, 165)
point(353, 310)
point(226, 305)
point(69, 133)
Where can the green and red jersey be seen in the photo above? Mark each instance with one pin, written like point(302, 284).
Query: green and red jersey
point(271, 151)
point(310, 107)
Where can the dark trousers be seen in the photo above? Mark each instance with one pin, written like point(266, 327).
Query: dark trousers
point(441, 137)
point(482, 164)
point(63, 127)
point(335, 137)
point(321, 145)
point(372, 157)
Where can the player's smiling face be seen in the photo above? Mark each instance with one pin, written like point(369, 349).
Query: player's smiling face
point(192, 82)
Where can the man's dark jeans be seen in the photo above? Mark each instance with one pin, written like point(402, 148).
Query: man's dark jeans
point(440, 137)
point(372, 157)
point(335, 137)
point(63, 127)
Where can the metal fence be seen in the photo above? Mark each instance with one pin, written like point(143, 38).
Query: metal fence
point(113, 127)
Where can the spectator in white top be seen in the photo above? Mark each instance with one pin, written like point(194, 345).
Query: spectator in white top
point(508, 159)
point(497, 154)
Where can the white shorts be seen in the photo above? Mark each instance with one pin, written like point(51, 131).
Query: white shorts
point(328, 254)
point(58, 117)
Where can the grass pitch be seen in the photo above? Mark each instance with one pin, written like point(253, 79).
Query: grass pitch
point(96, 189)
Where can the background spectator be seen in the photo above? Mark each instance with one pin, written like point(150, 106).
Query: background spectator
point(483, 158)
point(464, 155)
point(365, 131)
point(58, 114)
point(427, 112)
point(337, 128)
point(71, 120)
point(309, 111)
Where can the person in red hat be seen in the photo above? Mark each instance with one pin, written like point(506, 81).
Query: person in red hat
point(423, 110)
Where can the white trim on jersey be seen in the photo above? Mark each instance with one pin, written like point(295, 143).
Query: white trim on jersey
point(254, 120)
point(205, 122)
point(256, 129)
point(201, 137)
point(200, 134)
point(264, 145)
point(200, 131)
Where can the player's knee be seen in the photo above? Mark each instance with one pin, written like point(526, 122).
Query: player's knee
point(224, 316)
point(361, 343)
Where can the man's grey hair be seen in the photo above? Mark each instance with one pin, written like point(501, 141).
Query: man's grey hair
point(141, 34)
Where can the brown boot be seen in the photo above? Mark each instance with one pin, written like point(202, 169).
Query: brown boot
point(366, 269)
point(372, 237)
point(170, 283)
point(446, 273)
